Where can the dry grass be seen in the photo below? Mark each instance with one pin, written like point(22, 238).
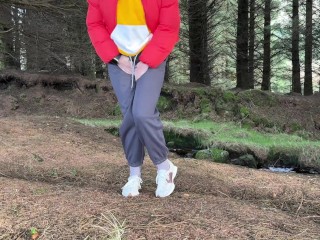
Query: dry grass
point(74, 192)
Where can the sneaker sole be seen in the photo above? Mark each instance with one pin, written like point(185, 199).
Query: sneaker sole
point(130, 195)
point(175, 171)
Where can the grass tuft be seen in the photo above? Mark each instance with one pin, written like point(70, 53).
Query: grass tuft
point(111, 226)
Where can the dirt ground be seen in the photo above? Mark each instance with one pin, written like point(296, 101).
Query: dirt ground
point(64, 179)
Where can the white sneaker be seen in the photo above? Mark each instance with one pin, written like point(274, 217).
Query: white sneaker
point(132, 187)
point(165, 182)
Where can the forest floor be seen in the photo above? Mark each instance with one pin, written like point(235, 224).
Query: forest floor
point(64, 179)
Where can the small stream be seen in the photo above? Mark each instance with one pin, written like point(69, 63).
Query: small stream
point(187, 147)
point(190, 153)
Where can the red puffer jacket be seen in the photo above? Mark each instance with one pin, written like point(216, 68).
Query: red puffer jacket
point(163, 20)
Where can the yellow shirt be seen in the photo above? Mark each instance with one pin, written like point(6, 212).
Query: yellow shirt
point(131, 33)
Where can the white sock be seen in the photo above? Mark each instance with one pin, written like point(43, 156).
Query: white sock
point(135, 171)
point(165, 165)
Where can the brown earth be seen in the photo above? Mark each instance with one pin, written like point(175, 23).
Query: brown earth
point(65, 179)
point(60, 177)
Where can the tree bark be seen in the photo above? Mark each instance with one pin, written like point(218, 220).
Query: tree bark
point(266, 47)
point(8, 37)
point(251, 43)
point(167, 72)
point(242, 45)
point(296, 83)
point(198, 42)
point(308, 88)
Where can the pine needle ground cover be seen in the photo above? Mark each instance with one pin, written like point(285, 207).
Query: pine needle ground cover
point(61, 179)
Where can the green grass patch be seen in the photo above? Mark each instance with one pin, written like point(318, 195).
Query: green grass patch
point(280, 147)
point(99, 122)
point(221, 132)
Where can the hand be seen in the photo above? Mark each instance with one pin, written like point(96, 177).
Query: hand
point(125, 64)
point(141, 68)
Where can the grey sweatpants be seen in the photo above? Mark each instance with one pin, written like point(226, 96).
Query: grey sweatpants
point(141, 126)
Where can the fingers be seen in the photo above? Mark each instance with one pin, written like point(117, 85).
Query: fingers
point(125, 64)
point(140, 69)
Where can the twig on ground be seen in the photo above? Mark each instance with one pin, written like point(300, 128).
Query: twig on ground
point(300, 205)
point(3, 175)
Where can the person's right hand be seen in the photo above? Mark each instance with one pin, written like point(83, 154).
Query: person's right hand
point(125, 64)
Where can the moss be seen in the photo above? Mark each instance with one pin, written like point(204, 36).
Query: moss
point(200, 91)
point(282, 157)
point(259, 97)
point(170, 144)
point(310, 159)
point(263, 122)
point(205, 105)
point(214, 154)
point(224, 108)
point(229, 96)
point(113, 130)
point(189, 141)
point(203, 154)
point(295, 127)
point(219, 155)
point(164, 104)
point(249, 160)
point(244, 112)
point(116, 111)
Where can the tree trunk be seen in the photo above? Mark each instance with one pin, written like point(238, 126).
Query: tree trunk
point(16, 37)
point(296, 84)
point(251, 44)
point(100, 72)
point(266, 47)
point(308, 89)
point(198, 42)
point(9, 57)
point(167, 72)
point(242, 45)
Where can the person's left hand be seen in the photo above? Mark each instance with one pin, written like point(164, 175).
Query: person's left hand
point(141, 68)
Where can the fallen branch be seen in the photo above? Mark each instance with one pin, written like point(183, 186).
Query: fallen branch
point(9, 30)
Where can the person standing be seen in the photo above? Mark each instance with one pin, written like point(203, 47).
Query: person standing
point(134, 38)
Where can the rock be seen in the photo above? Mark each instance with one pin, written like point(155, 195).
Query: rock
point(203, 154)
point(246, 160)
point(170, 144)
point(219, 155)
point(214, 154)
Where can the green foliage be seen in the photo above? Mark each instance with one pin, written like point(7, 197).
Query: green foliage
point(229, 96)
point(214, 154)
point(244, 112)
point(113, 130)
point(203, 154)
point(205, 105)
point(281, 149)
point(262, 121)
point(164, 104)
point(259, 98)
point(295, 127)
point(219, 155)
point(284, 156)
point(117, 110)
point(186, 140)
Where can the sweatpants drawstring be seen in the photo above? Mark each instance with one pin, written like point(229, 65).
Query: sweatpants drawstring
point(133, 63)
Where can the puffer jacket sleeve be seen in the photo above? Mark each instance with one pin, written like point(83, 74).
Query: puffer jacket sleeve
point(165, 36)
point(99, 36)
